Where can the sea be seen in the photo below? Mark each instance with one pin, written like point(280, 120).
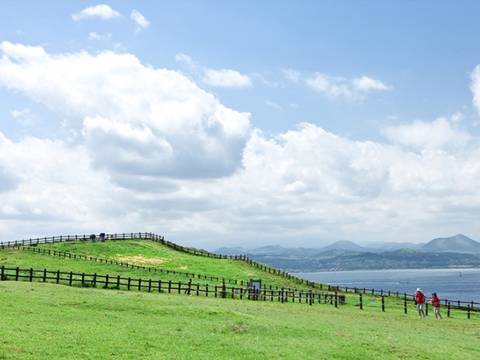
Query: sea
point(452, 284)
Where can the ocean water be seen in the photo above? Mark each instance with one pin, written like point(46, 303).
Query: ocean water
point(454, 284)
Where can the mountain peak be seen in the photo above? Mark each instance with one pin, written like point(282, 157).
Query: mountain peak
point(344, 245)
point(456, 243)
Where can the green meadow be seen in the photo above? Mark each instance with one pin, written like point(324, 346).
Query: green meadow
point(47, 321)
point(50, 321)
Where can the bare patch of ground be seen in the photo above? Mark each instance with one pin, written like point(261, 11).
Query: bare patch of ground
point(141, 260)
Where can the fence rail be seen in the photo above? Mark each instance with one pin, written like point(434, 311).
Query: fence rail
point(166, 286)
point(118, 282)
point(201, 252)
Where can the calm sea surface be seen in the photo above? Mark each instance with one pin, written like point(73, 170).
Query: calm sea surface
point(455, 284)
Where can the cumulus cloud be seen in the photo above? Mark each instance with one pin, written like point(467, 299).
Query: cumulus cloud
point(439, 133)
point(114, 102)
point(154, 152)
point(102, 11)
point(226, 78)
point(139, 19)
point(343, 87)
point(8, 180)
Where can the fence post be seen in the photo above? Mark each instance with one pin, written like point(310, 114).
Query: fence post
point(405, 303)
point(83, 279)
point(58, 276)
point(95, 280)
point(169, 286)
point(17, 270)
point(70, 279)
point(426, 308)
point(336, 299)
point(448, 309)
point(118, 282)
point(468, 311)
point(30, 275)
point(2, 274)
point(149, 285)
point(159, 285)
point(310, 297)
point(361, 301)
point(383, 303)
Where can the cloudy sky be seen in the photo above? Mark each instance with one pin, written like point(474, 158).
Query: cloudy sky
point(249, 123)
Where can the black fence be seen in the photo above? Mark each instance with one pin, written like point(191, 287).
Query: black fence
point(474, 306)
point(118, 282)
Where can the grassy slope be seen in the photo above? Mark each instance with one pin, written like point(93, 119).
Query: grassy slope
point(45, 321)
point(151, 252)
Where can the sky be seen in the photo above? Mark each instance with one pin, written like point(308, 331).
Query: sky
point(223, 123)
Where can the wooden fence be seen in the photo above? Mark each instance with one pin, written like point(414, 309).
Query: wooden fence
point(474, 306)
point(164, 286)
point(118, 282)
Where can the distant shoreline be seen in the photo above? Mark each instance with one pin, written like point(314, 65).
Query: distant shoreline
point(383, 269)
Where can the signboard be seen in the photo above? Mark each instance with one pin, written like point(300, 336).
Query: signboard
point(254, 288)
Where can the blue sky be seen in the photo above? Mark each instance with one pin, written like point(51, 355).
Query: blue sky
point(365, 72)
point(426, 50)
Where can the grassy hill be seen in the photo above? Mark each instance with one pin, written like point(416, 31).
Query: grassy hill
point(48, 321)
point(143, 253)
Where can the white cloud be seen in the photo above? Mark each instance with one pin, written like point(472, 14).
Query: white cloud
point(217, 77)
point(139, 19)
point(292, 75)
point(343, 87)
point(186, 61)
point(367, 84)
point(154, 152)
point(439, 133)
point(24, 116)
point(101, 11)
point(99, 37)
point(475, 87)
point(169, 125)
point(273, 105)
point(226, 78)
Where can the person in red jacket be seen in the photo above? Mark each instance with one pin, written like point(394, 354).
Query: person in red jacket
point(435, 301)
point(420, 301)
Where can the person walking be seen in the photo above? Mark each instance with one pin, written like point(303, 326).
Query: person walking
point(420, 301)
point(435, 301)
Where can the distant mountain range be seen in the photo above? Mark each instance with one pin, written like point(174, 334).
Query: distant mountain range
point(455, 251)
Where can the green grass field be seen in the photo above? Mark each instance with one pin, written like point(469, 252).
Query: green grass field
point(48, 321)
point(45, 321)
